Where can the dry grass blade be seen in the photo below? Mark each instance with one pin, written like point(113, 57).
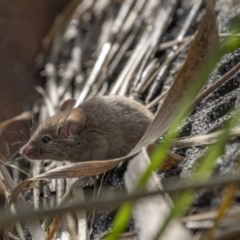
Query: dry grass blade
point(51, 84)
point(11, 236)
point(82, 169)
point(171, 43)
point(149, 213)
point(197, 4)
point(171, 161)
point(204, 44)
point(129, 69)
point(210, 215)
point(94, 74)
point(3, 187)
point(160, 71)
point(36, 189)
point(157, 99)
point(207, 139)
point(59, 186)
point(225, 205)
point(78, 196)
point(54, 228)
point(105, 51)
point(138, 17)
point(226, 77)
point(71, 226)
point(48, 102)
point(126, 24)
point(33, 226)
point(27, 115)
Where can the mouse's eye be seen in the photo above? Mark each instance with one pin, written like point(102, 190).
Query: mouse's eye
point(46, 139)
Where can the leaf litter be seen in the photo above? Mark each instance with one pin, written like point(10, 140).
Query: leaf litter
point(62, 54)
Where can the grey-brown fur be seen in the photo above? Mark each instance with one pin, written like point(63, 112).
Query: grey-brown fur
point(113, 126)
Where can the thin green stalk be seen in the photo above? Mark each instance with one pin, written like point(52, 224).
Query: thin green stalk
point(18, 225)
point(122, 219)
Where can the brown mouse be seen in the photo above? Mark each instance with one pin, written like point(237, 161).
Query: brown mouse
point(101, 128)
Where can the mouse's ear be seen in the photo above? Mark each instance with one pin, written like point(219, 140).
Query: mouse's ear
point(73, 123)
point(67, 105)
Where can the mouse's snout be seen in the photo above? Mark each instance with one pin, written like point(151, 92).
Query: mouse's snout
point(29, 151)
point(24, 150)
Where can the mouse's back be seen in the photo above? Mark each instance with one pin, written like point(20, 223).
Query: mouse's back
point(120, 121)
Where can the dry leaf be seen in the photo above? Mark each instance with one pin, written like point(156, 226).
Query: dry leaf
point(233, 213)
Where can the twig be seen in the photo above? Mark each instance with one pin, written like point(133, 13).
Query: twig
point(160, 70)
point(48, 102)
point(226, 77)
point(157, 99)
point(165, 45)
point(95, 72)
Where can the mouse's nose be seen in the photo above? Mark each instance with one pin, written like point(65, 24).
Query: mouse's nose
point(28, 151)
point(24, 150)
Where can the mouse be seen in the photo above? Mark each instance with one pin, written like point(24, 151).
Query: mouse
point(101, 128)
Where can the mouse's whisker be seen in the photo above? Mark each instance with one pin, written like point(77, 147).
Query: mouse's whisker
point(25, 132)
point(18, 142)
point(21, 135)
